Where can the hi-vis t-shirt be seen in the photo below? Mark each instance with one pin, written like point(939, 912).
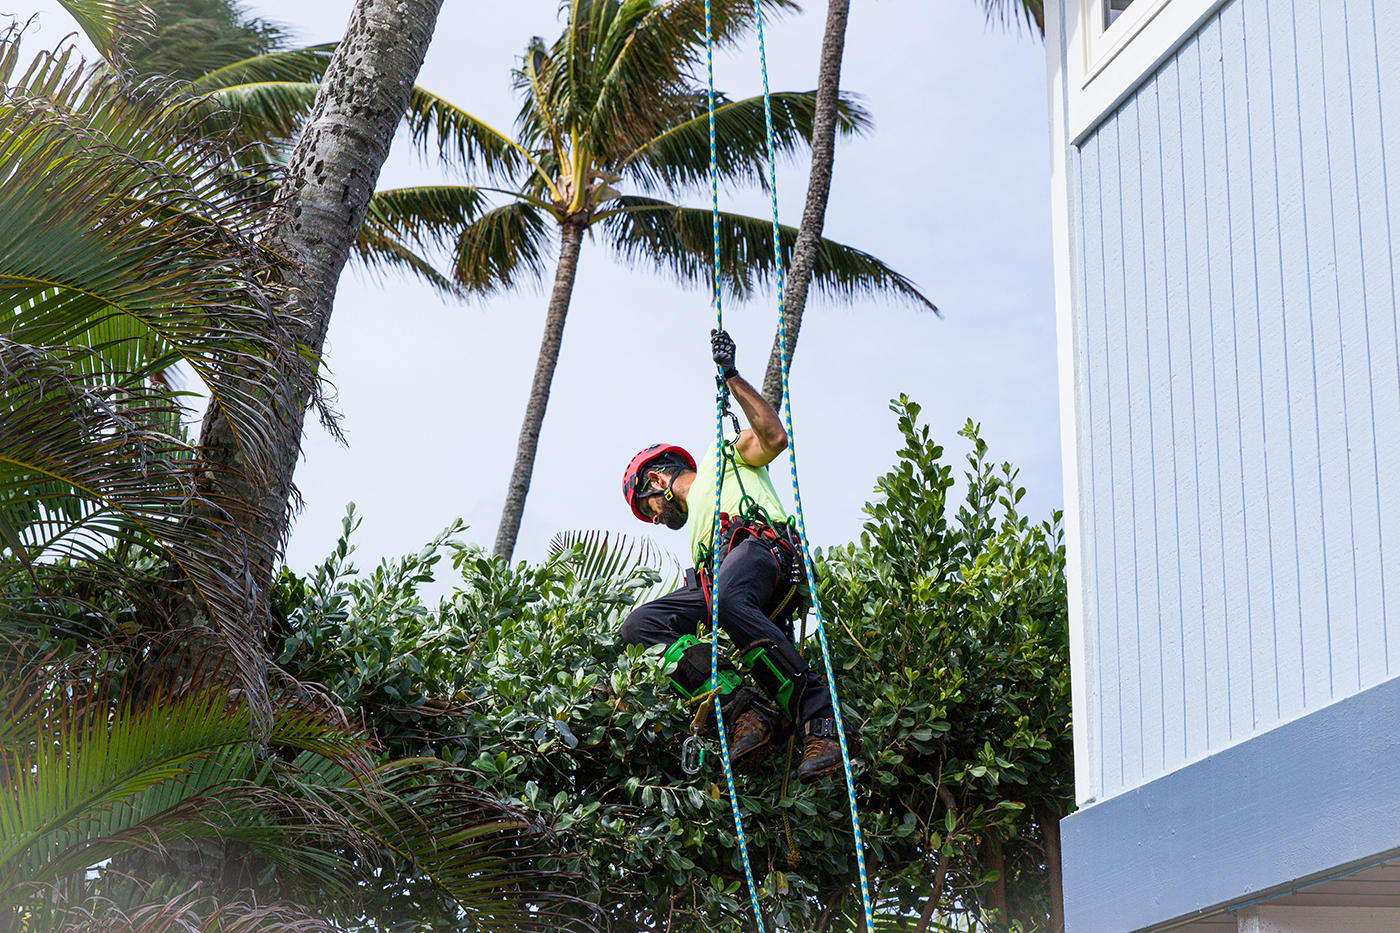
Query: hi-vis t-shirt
point(700, 500)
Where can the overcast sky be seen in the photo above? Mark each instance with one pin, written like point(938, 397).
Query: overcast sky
point(951, 188)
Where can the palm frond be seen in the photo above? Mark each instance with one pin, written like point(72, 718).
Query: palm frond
point(86, 465)
point(427, 215)
point(304, 65)
point(379, 252)
point(1014, 14)
point(97, 775)
point(645, 231)
point(402, 223)
point(182, 912)
point(188, 38)
point(263, 116)
point(622, 71)
point(680, 155)
point(91, 770)
point(460, 139)
point(494, 862)
point(503, 247)
point(599, 555)
point(631, 84)
point(259, 101)
point(106, 209)
point(106, 23)
point(273, 92)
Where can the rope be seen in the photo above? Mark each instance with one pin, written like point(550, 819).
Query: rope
point(796, 490)
point(721, 403)
point(720, 407)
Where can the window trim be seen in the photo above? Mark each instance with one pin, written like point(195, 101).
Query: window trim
point(1106, 65)
point(1102, 46)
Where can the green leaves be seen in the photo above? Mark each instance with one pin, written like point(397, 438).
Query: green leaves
point(89, 774)
point(946, 623)
point(972, 596)
point(105, 22)
point(97, 779)
point(123, 254)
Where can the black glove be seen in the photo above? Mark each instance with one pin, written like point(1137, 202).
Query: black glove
point(722, 349)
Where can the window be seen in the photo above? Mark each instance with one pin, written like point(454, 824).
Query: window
point(1114, 45)
point(1112, 9)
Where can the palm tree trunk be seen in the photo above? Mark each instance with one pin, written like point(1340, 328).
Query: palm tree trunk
point(320, 205)
point(509, 530)
point(809, 234)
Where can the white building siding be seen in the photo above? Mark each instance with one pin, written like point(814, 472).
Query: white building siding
point(1237, 371)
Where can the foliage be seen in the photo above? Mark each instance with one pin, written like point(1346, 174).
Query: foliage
point(955, 627)
point(121, 757)
point(128, 773)
point(122, 254)
point(616, 101)
point(187, 39)
point(1015, 14)
point(948, 634)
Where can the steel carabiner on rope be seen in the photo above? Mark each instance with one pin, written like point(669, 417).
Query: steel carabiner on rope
point(722, 401)
point(692, 755)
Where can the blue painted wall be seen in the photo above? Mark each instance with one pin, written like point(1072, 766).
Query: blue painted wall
point(1238, 382)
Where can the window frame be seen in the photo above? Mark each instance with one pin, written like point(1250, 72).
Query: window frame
point(1106, 65)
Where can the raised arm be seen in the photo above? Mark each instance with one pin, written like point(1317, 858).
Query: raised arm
point(765, 436)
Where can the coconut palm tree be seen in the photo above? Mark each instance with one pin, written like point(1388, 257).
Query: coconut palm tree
point(612, 127)
point(341, 106)
point(632, 114)
point(239, 80)
point(122, 251)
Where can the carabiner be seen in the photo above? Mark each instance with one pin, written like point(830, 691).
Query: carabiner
point(692, 755)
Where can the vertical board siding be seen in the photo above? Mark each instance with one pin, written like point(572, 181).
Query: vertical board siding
point(1381, 227)
point(1239, 394)
point(1157, 558)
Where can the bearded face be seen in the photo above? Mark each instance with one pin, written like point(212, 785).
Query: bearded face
point(668, 513)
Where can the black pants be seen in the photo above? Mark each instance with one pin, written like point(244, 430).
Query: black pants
point(750, 582)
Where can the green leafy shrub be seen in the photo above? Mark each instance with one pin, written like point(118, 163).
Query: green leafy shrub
point(947, 631)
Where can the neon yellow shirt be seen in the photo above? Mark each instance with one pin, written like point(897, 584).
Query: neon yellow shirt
point(700, 500)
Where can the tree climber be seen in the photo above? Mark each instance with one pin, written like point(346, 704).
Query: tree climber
point(759, 578)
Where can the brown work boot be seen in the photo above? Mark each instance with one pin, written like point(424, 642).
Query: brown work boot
point(751, 741)
point(821, 754)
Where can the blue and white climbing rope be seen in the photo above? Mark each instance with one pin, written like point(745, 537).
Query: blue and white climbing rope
point(720, 405)
point(719, 481)
point(796, 489)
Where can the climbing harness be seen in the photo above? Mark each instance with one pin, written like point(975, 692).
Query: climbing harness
point(799, 525)
point(780, 540)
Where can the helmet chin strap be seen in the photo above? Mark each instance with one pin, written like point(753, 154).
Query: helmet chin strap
point(668, 493)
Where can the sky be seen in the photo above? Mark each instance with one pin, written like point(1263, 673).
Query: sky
point(951, 188)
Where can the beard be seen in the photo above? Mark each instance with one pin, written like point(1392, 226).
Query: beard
point(671, 515)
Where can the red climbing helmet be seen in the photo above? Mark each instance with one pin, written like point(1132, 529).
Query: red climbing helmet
point(633, 476)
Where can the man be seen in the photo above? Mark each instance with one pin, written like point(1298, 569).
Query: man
point(758, 573)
